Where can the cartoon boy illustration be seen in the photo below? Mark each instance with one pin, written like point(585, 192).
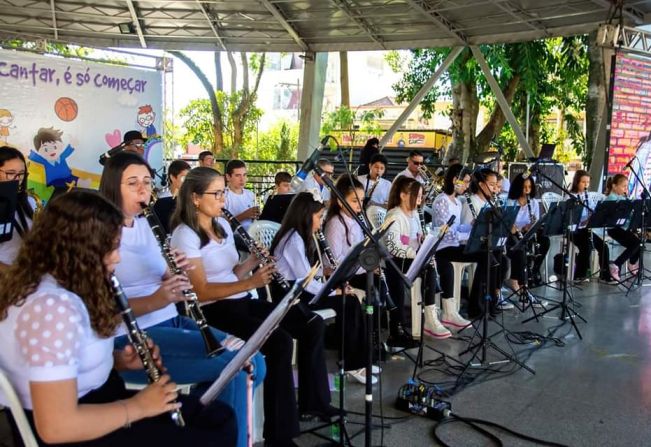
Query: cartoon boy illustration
point(146, 117)
point(51, 153)
point(6, 119)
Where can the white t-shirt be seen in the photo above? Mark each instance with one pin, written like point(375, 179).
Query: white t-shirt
point(9, 249)
point(141, 270)
point(311, 183)
point(238, 203)
point(380, 192)
point(49, 338)
point(523, 218)
point(219, 258)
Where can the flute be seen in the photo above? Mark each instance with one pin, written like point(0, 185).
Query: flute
point(138, 339)
point(192, 307)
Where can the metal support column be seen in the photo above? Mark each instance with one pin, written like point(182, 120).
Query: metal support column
point(314, 76)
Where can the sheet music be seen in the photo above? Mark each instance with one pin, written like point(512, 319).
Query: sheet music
point(419, 260)
point(252, 345)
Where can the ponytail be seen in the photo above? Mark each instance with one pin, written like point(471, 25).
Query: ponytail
point(612, 181)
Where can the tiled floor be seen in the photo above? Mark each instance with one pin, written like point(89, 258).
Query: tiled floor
point(590, 392)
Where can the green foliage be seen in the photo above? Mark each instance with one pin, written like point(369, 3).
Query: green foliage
point(552, 73)
point(345, 119)
point(197, 120)
point(280, 142)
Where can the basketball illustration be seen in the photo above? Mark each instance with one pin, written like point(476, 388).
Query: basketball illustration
point(66, 109)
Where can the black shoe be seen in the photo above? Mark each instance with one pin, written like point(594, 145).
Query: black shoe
point(325, 415)
point(400, 338)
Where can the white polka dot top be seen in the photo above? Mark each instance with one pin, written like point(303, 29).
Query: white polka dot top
point(49, 338)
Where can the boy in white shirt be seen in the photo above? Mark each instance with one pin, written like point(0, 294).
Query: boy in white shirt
point(376, 189)
point(239, 200)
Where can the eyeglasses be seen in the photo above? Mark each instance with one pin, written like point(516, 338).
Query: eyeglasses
point(134, 185)
point(327, 174)
point(218, 194)
point(13, 175)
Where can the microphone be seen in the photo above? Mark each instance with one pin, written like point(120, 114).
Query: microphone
point(309, 164)
point(110, 153)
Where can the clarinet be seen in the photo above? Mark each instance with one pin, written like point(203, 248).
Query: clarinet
point(254, 249)
point(138, 339)
point(532, 221)
point(192, 307)
point(369, 194)
point(587, 206)
point(470, 205)
point(325, 248)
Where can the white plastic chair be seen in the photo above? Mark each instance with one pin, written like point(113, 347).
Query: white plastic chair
point(376, 214)
point(17, 411)
point(263, 231)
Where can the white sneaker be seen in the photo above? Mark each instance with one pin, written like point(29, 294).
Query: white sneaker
point(503, 303)
point(450, 315)
point(360, 376)
point(433, 326)
point(535, 302)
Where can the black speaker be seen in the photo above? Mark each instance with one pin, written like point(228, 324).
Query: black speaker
point(555, 171)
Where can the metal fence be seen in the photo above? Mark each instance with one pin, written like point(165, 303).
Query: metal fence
point(261, 172)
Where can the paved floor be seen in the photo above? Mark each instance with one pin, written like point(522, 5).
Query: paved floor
point(590, 392)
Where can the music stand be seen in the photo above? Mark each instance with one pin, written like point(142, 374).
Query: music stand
point(490, 231)
point(526, 297)
point(560, 220)
point(8, 202)
point(640, 211)
point(259, 337)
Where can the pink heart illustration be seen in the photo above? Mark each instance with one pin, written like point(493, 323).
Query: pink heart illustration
point(113, 139)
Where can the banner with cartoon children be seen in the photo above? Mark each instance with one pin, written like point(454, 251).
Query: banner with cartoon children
point(63, 114)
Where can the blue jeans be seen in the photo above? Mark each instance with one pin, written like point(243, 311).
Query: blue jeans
point(184, 356)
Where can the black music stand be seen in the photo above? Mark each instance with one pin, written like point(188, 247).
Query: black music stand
point(490, 232)
point(275, 207)
point(526, 297)
point(561, 218)
point(8, 201)
point(641, 209)
point(366, 255)
point(609, 214)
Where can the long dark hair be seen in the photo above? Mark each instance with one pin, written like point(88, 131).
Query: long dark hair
point(196, 182)
point(517, 187)
point(298, 218)
point(109, 184)
point(453, 172)
point(345, 187)
point(69, 241)
point(407, 185)
point(580, 173)
point(23, 208)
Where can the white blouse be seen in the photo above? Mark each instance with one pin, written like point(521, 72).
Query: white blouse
point(445, 206)
point(292, 263)
point(335, 233)
point(219, 258)
point(49, 338)
point(523, 217)
point(478, 203)
point(380, 194)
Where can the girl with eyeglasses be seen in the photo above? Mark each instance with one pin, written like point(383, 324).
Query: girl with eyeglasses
point(58, 317)
point(223, 284)
point(13, 168)
point(153, 292)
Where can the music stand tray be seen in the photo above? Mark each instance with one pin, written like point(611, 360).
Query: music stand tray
point(611, 213)
point(502, 224)
point(636, 217)
point(557, 219)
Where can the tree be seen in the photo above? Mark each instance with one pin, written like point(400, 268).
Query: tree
point(540, 75)
point(241, 110)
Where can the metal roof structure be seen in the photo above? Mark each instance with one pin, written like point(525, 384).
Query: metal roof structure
point(304, 25)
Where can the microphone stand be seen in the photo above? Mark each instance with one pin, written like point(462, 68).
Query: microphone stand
point(370, 260)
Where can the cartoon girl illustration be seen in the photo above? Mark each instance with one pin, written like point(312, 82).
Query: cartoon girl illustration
point(6, 120)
